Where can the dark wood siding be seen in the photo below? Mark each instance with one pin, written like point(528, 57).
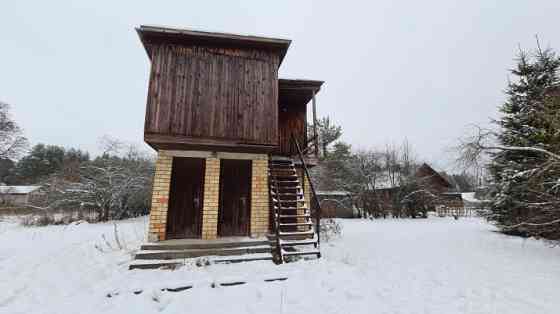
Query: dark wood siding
point(212, 95)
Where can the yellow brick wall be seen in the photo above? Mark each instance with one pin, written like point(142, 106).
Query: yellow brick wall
point(259, 197)
point(211, 199)
point(160, 197)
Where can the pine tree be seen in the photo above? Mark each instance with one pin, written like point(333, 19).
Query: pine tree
point(530, 119)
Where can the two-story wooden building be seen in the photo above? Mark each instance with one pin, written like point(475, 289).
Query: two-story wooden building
point(225, 129)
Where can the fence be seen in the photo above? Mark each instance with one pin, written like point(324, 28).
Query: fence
point(447, 211)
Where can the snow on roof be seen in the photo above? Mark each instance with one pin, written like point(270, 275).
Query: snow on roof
point(469, 197)
point(18, 189)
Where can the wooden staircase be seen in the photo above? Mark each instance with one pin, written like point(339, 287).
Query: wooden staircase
point(295, 230)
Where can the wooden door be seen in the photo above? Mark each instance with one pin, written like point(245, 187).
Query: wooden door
point(291, 121)
point(235, 197)
point(184, 217)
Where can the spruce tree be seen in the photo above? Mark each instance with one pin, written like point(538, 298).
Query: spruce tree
point(529, 119)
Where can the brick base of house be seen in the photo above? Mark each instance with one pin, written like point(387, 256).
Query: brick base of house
point(162, 181)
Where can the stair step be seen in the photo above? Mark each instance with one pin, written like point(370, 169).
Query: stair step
point(290, 208)
point(177, 245)
point(288, 194)
point(298, 242)
point(295, 216)
point(288, 201)
point(173, 263)
point(285, 160)
point(174, 254)
point(296, 253)
point(156, 264)
point(244, 258)
point(290, 178)
point(282, 169)
point(297, 233)
point(296, 224)
point(281, 184)
point(287, 187)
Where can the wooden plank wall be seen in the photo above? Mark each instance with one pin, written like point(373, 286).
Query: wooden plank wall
point(215, 93)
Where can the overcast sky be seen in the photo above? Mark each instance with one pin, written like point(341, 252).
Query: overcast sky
point(423, 70)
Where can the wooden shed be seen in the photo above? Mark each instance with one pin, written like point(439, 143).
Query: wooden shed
point(231, 137)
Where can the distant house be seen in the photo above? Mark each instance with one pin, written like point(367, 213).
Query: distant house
point(432, 180)
point(428, 180)
point(336, 204)
point(17, 195)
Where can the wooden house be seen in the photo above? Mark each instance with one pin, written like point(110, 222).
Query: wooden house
point(432, 180)
point(437, 191)
point(18, 195)
point(227, 132)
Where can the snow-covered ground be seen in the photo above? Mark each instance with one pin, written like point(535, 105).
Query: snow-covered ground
point(436, 265)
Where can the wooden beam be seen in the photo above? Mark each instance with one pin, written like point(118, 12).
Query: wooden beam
point(315, 136)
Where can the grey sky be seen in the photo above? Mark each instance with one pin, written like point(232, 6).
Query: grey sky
point(74, 71)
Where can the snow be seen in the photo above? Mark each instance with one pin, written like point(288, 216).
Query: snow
point(18, 189)
point(435, 265)
point(333, 193)
point(469, 197)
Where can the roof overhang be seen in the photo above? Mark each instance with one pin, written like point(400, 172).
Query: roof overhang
point(159, 34)
point(297, 91)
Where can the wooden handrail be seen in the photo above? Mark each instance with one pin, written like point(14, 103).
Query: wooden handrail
point(317, 204)
point(277, 218)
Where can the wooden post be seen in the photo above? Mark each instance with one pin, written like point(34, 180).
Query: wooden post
point(315, 126)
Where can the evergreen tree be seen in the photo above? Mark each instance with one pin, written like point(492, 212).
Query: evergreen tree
point(327, 133)
point(42, 161)
point(530, 119)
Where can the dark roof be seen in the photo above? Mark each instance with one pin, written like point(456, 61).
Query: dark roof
point(425, 170)
point(297, 91)
point(153, 34)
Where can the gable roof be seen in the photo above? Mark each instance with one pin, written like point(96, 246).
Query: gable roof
point(150, 34)
point(427, 171)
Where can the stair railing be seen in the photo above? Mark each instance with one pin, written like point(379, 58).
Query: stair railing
point(314, 194)
point(277, 211)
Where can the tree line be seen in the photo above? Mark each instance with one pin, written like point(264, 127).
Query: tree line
point(114, 185)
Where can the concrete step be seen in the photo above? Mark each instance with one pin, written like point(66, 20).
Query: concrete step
point(178, 262)
point(186, 245)
point(190, 253)
point(156, 264)
point(244, 258)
